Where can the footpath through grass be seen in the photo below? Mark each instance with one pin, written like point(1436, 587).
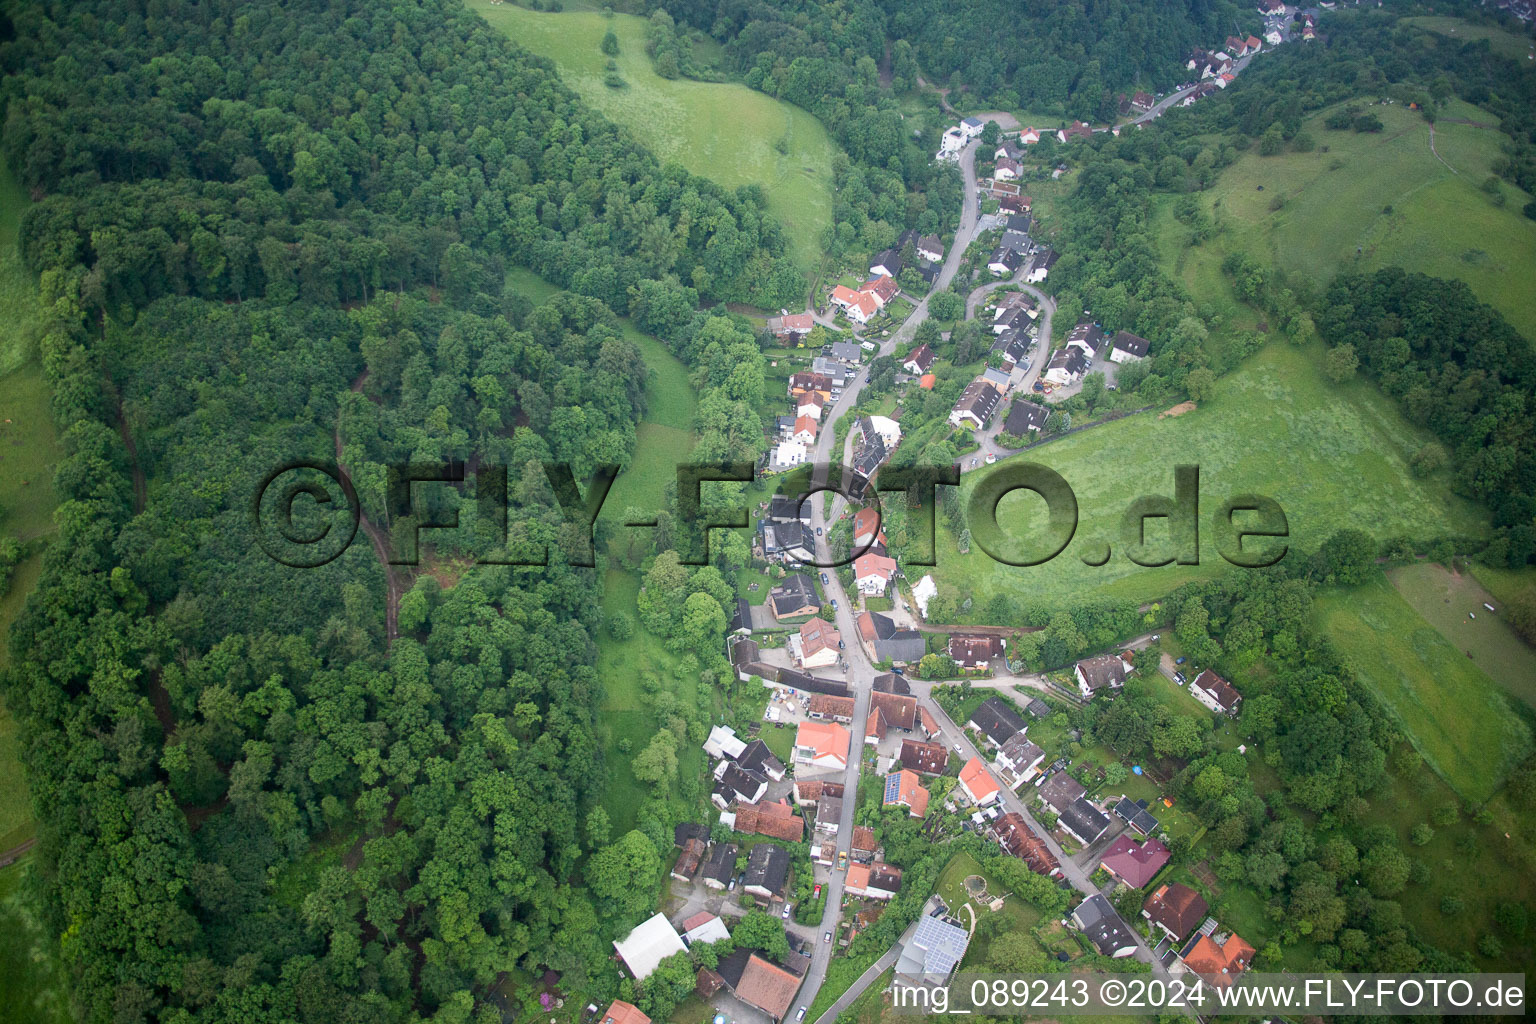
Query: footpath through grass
point(722, 131)
point(1333, 457)
point(1361, 201)
point(1455, 716)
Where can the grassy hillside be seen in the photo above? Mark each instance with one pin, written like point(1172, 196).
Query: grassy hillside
point(1505, 44)
point(1455, 716)
point(1444, 599)
point(726, 132)
point(1333, 457)
point(1362, 201)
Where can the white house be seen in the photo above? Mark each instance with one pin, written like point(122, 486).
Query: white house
point(1029, 137)
point(1128, 347)
point(888, 429)
point(971, 127)
point(1007, 170)
point(872, 573)
point(787, 455)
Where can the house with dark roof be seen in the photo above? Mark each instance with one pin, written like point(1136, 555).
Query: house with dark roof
point(1040, 265)
point(756, 757)
point(1216, 693)
point(1012, 348)
point(1066, 366)
point(1038, 708)
point(1011, 318)
point(1135, 814)
point(794, 596)
point(829, 814)
point(924, 758)
point(1103, 927)
point(1087, 336)
point(1060, 791)
point(1127, 347)
point(767, 871)
point(972, 652)
point(741, 618)
point(720, 866)
point(884, 641)
point(995, 720)
point(836, 709)
point(887, 263)
point(1134, 863)
point(733, 784)
point(1083, 821)
point(890, 682)
point(888, 712)
point(977, 403)
point(930, 248)
point(1025, 416)
point(784, 509)
point(688, 863)
point(1105, 672)
point(873, 881)
point(1004, 261)
point(1175, 908)
point(919, 360)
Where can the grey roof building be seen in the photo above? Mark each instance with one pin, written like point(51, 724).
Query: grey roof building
point(935, 949)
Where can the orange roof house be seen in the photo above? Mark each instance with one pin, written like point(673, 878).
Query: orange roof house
point(905, 789)
point(822, 745)
point(620, 1012)
point(1224, 959)
point(777, 820)
point(927, 381)
point(977, 782)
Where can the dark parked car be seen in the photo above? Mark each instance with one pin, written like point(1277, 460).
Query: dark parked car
point(1179, 661)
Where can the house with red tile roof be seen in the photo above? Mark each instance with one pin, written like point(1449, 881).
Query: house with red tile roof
point(1221, 957)
point(977, 783)
point(620, 1012)
point(1175, 908)
point(872, 573)
point(1134, 863)
point(818, 643)
point(905, 789)
point(776, 820)
point(821, 745)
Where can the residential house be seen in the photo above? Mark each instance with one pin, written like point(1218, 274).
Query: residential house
point(872, 573)
point(794, 596)
point(733, 783)
point(1029, 136)
point(1083, 821)
point(1007, 151)
point(1135, 814)
point(767, 871)
point(829, 814)
point(930, 248)
point(1220, 957)
point(1103, 927)
point(919, 360)
point(1025, 416)
point(977, 783)
point(821, 745)
point(1141, 102)
point(1040, 265)
point(1075, 130)
point(1086, 336)
point(977, 403)
point(884, 288)
point(887, 642)
point(1237, 46)
point(804, 431)
point(786, 542)
point(890, 682)
point(759, 982)
point(862, 848)
point(971, 127)
point(810, 404)
point(1105, 672)
point(787, 455)
point(995, 720)
point(1127, 347)
point(649, 943)
point(888, 711)
point(1021, 757)
point(859, 306)
point(808, 792)
point(1134, 863)
point(950, 144)
point(887, 429)
point(792, 327)
point(868, 455)
point(1013, 348)
point(1216, 693)
point(1061, 791)
point(720, 866)
point(620, 1012)
point(1175, 908)
point(1017, 839)
point(826, 707)
point(684, 831)
point(873, 881)
point(886, 264)
point(866, 528)
point(997, 378)
point(1005, 261)
point(704, 927)
point(688, 862)
point(924, 758)
point(845, 352)
point(833, 370)
point(936, 948)
point(1006, 169)
point(819, 642)
point(1010, 318)
point(1269, 7)
point(905, 789)
point(741, 618)
point(804, 383)
point(723, 742)
point(971, 652)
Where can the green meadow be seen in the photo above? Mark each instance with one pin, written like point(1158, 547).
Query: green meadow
point(1457, 718)
point(1363, 201)
point(1501, 42)
point(722, 131)
point(1333, 457)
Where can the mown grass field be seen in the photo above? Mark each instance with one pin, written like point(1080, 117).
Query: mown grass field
point(722, 131)
point(31, 977)
point(1455, 716)
point(1372, 200)
point(1444, 599)
point(1333, 457)
point(1501, 42)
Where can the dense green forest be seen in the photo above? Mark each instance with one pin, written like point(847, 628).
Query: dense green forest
point(274, 232)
